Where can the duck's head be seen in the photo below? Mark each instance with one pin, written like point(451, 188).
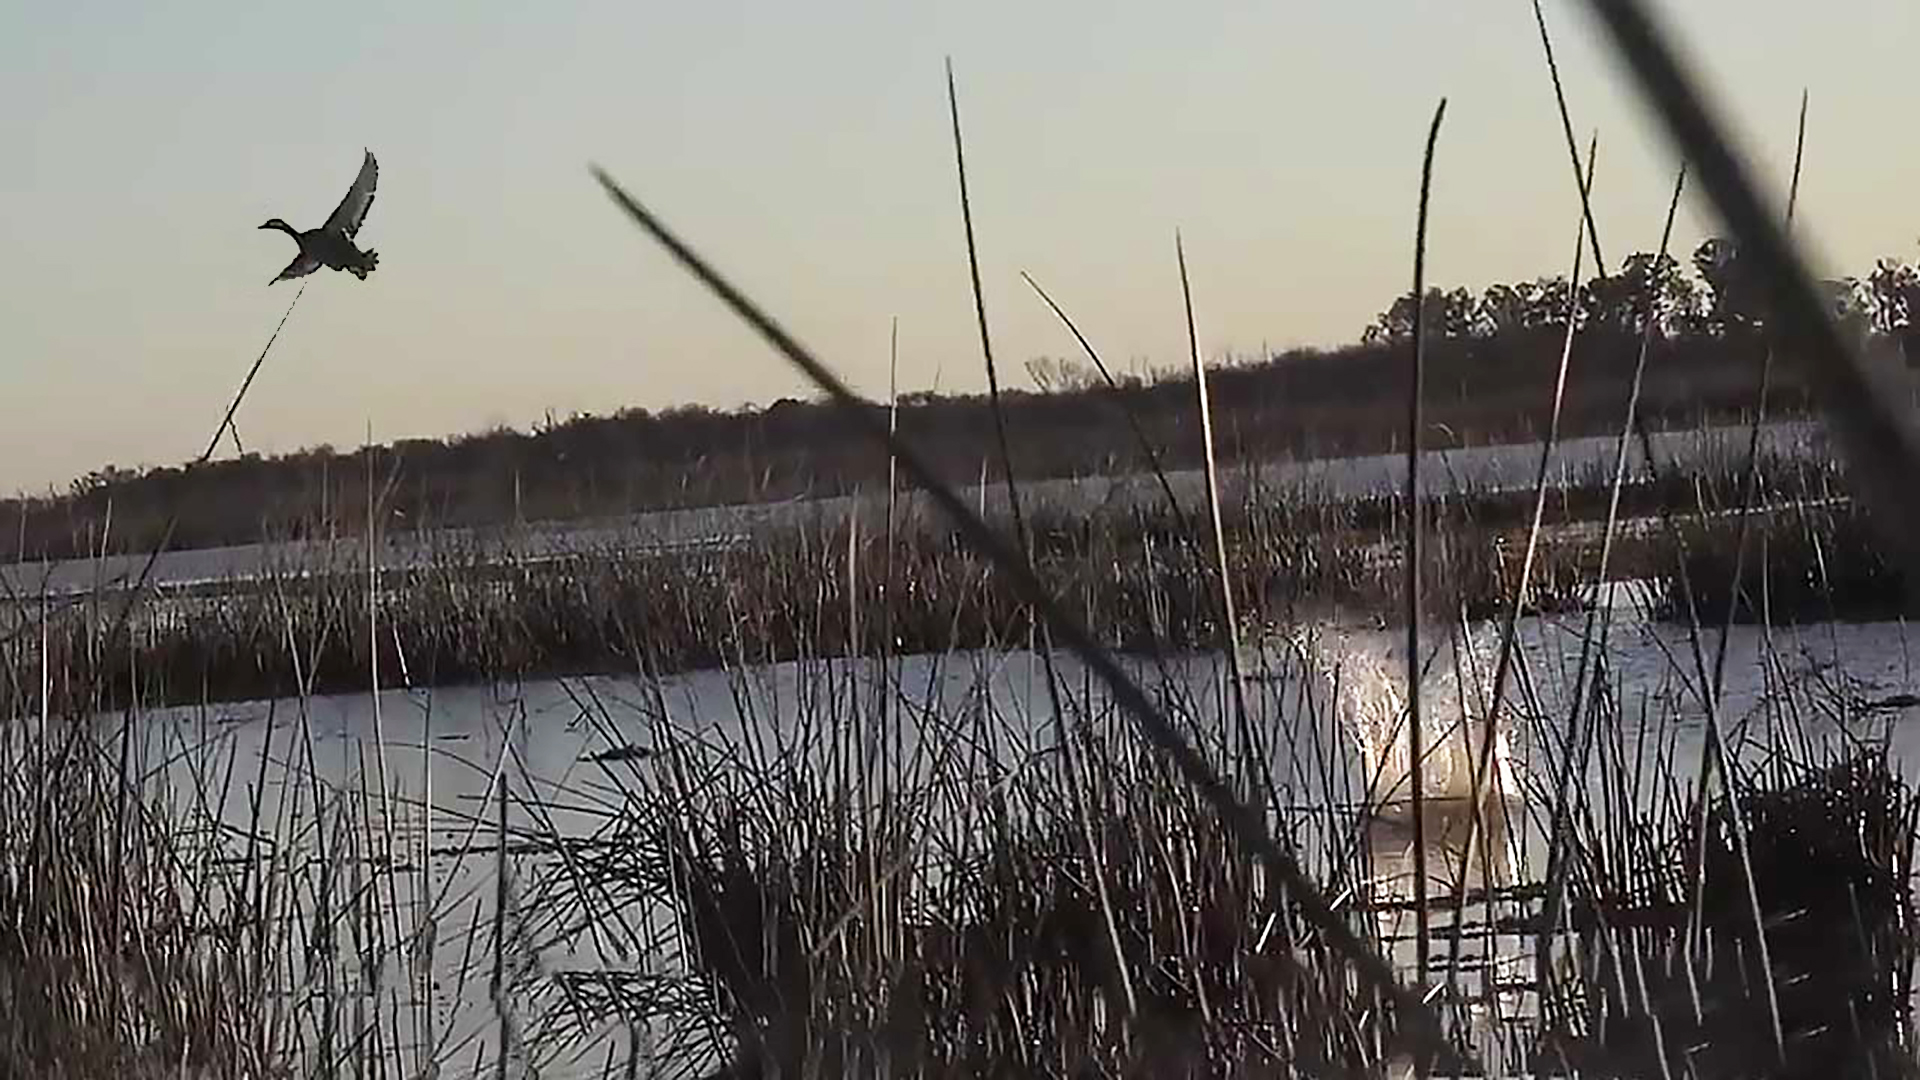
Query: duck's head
point(276, 223)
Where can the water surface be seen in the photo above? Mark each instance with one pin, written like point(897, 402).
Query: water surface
point(1797, 693)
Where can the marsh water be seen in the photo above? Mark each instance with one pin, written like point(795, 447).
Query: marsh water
point(454, 764)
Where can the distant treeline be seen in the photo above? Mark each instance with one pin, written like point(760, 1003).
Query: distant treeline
point(1490, 378)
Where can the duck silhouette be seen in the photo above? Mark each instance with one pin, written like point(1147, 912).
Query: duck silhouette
point(332, 244)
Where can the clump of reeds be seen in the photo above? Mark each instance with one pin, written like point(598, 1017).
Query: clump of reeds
point(1808, 563)
point(839, 936)
point(110, 965)
point(1670, 973)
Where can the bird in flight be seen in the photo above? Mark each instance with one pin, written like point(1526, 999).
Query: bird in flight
point(332, 243)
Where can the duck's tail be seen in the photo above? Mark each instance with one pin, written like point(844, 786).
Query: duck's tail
point(368, 261)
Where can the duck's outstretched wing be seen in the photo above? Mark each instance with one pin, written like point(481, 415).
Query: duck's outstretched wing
point(353, 209)
point(301, 266)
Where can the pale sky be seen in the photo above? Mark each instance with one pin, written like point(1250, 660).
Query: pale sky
point(805, 147)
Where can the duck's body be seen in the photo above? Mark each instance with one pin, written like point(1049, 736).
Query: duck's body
point(331, 245)
point(320, 247)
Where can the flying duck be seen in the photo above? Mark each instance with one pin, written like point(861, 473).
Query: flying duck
point(332, 243)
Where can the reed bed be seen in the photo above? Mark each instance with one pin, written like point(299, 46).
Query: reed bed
point(103, 969)
point(954, 927)
point(1807, 565)
point(466, 613)
point(1669, 975)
